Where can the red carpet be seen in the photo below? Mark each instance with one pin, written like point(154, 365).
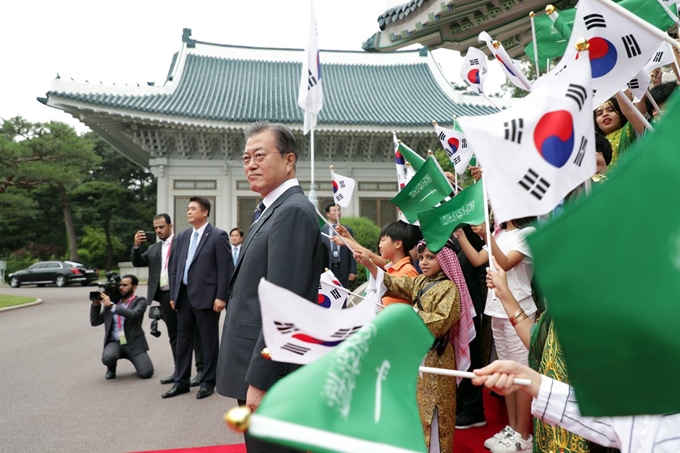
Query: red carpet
point(465, 441)
point(472, 440)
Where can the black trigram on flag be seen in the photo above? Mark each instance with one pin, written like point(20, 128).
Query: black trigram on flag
point(513, 130)
point(594, 21)
point(335, 293)
point(658, 56)
point(578, 94)
point(474, 61)
point(296, 349)
point(534, 184)
point(338, 196)
point(344, 333)
point(581, 152)
point(285, 327)
point(311, 80)
point(442, 136)
point(634, 84)
point(463, 143)
point(456, 160)
point(631, 45)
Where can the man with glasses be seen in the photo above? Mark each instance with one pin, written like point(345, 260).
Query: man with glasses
point(283, 246)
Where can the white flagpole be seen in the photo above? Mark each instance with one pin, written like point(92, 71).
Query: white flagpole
point(533, 36)
point(455, 173)
point(488, 229)
point(651, 99)
point(464, 374)
point(640, 22)
point(636, 112)
point(312, 190)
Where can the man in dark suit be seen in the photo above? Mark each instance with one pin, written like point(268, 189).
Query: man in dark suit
point(157, 258)
point(340, 259)
point(284, 247)
point(200, 269)
point(123, 334)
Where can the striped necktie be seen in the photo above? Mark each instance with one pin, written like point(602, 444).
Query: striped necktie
point(258, 211)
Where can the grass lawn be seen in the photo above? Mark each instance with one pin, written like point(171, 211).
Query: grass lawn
point(8, 301)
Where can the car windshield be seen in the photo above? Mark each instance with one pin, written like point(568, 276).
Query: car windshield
point(73, 264)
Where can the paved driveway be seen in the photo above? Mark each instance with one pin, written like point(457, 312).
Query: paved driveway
point(54, 398)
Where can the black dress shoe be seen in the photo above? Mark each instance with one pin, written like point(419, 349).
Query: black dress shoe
point(196, 381)
point(110, 374)
point(168, 380)
point(204, 393)
point(174, 391)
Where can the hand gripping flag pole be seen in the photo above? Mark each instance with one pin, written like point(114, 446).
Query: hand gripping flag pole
point(622, 96)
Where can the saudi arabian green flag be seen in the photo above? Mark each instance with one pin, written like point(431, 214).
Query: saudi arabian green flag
point(551, 37)
point(438, 223)
point(411, 156)
point(609, 268)
point(427, 188)
point(359, 397)
point(651, 11)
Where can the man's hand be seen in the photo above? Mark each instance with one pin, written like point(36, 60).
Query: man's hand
point(139, 238)
point(219, 305)
point(172, 305)
point(254, 397)
point(106, 300)
point(476, 173)
point(352, 277)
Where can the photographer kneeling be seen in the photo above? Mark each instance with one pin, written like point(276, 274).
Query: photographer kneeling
point(123, 334)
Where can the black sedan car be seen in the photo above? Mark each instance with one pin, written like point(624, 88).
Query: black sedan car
point(60, 273)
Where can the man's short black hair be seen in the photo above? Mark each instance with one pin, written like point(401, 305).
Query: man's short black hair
point(133, 279)
point(163, 216)
point(236, 229)
point(329, 206)
point(409, 235)
point(203, 202)
point(603, 146)
point(660, 93)
point(286, 142)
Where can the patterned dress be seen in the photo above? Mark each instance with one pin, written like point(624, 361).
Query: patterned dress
point(441, 310)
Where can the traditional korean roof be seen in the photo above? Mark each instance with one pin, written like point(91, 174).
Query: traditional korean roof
point(221, 84)
point(455, 24)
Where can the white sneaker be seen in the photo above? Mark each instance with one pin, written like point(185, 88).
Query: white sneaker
point(502, 434)
point(513, 444)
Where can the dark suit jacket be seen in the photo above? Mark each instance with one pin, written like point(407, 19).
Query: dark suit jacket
point(153, 259)
point(134, 315)
point(284, 247)
point(347, 263)
point(209, 271)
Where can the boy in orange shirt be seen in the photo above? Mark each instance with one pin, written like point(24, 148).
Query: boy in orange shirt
point(396, 241)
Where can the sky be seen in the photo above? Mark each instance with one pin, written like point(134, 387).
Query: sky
point(133, 41)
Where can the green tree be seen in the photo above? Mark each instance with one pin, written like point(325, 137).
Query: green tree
point(36, 154)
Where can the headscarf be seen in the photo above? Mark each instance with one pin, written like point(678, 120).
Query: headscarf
point(463, 331)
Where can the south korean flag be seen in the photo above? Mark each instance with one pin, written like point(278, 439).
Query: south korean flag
point(537, 151)
point(638, 85)
point(456, 146)
point(663, 56)
point(510, 68)
point(298, 331)
point(331, 292)
point(619, 48)
point(474, 70)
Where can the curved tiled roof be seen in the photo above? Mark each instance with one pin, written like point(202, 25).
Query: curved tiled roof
point(236, 90)
point(399, 12)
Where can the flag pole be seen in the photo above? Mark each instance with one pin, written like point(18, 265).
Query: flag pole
point(464, 374)
point(312, 190)
point(636, 112)
point(639, 22)
point(488, 228)
point(533, 36)
point(455, 173)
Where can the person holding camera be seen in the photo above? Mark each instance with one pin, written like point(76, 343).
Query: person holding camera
point(123, 334)
point(157, 259)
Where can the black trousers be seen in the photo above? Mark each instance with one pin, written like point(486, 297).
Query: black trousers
point(469, 399)
point(113, 352)
point(189, 321)
point(170, 318)
point(259, 446)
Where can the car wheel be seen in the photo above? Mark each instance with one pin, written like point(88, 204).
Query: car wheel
point(40, 285)
point(60, 281)
point(14, 282)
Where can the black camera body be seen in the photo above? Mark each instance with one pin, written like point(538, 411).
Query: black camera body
point(155, 314)
point(111, 287)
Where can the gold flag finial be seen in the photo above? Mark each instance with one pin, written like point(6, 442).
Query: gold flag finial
point(531, 14)
point(495, 43)
point(434, 123)
point(238, 418)
point(331, 167)
point(582, 44)
point(266, 354)
point(549, 9)
point(429, 152)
